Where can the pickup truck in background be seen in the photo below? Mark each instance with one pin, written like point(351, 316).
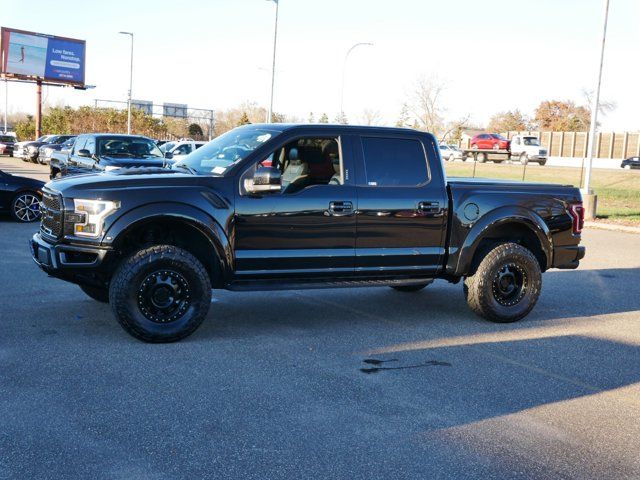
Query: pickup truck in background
point(527, 148)
point(301, 206)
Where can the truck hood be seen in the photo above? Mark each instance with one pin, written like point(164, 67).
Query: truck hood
point(108, 185)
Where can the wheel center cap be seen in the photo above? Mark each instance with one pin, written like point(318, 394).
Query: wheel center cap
point(161, 297)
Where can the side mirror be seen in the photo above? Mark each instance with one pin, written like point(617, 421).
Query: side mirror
point(265, 180)
point(168, 155)
point(84, 153)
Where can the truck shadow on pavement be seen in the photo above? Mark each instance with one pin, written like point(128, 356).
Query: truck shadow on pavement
point(565, 295)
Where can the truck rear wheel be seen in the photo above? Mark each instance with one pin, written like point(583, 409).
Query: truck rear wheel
point(160, 294)
point(506, 285)
point(97, 293)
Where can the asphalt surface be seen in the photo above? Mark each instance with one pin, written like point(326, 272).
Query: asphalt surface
point(272, 385)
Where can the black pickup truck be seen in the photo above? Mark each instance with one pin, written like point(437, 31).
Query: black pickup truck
point(301, 206)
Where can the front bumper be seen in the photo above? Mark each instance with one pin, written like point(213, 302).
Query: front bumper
point(568, 257)
point(73, 263)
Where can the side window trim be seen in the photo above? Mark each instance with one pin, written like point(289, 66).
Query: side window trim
point(337, 136)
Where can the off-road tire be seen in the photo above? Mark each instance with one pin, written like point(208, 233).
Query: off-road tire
point(128, 281)
point(98, 294)
point(409, 288)
point(479, 288)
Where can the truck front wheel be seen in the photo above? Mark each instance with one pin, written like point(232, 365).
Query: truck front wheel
point(506, 285)
point(160, 294)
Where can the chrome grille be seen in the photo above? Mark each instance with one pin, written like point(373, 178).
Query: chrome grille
point(51, 211)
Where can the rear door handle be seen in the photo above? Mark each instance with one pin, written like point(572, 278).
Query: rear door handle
point(433, 209)
point(340, 209)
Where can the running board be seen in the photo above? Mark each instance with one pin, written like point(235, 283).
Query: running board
point(266, 285)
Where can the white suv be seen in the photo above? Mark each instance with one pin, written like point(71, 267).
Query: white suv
point(180, 149)
point(527, 149)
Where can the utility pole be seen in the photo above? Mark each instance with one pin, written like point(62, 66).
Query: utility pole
point(130, 84)
point(273, 63)
point(38, 109)
point(6, 102)
point(589, 198)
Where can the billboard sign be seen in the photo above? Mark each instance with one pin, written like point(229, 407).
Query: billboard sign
point(145, 105)
point(174, 110)
point(30, 55)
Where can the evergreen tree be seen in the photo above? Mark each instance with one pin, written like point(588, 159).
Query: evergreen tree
point(244, 119)
point(324, 118)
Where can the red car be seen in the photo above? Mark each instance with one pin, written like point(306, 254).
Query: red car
point(490, 141)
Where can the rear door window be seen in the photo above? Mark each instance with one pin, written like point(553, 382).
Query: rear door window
point(394, 162)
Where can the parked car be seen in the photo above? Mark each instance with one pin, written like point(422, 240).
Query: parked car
point(20, 148)
point(45, 151)
point(178, 150)
point(450, 153)
point(631, 162)
point(490, 141)
point(20, 196)
point(154, 245)
point(106, 152)
point(29, 150)
point(527, 148)
point(7, 144)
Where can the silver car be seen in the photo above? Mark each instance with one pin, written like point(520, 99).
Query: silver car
point(450, 153)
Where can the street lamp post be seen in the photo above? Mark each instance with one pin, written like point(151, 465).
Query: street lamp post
point(6, 102)
point(273, 64)
point(130, 84)
point(344, 69)
point(590, 200)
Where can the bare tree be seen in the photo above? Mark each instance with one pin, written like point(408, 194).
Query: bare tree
point(454, 129)
point(371, 117)
point(424, 105)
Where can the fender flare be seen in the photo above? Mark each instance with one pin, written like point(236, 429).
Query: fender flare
point(180, 212)
point(498, 217)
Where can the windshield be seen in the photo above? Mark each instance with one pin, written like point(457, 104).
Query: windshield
point(531, 141)
point(129, 147)
point(6, 138)
point(228, 149)
point(166, 147)
point(43, 138)
point(497, 136)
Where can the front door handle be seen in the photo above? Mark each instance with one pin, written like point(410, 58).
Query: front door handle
point(432, 209)
point(340, 209)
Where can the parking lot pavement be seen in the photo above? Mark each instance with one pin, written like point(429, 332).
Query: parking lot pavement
point(15, 166)
point(290, 384)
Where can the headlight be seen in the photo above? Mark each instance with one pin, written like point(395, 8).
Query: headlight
point(88, 217)
point(110, 168)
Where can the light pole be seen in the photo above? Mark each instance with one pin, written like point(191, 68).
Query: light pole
point(344, 69)
point(130, 84)
point(6, 102)
point(590, 209)
point(273, 64)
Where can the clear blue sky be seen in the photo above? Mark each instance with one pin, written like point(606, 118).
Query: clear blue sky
point(214, 53)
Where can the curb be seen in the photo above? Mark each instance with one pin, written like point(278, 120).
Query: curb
point(612, 227)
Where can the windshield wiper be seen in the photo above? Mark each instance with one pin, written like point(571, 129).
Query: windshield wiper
point(186, 167)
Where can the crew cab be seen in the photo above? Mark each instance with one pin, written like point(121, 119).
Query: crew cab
point(96, 152)
point(301, 206)
point(527, 148)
